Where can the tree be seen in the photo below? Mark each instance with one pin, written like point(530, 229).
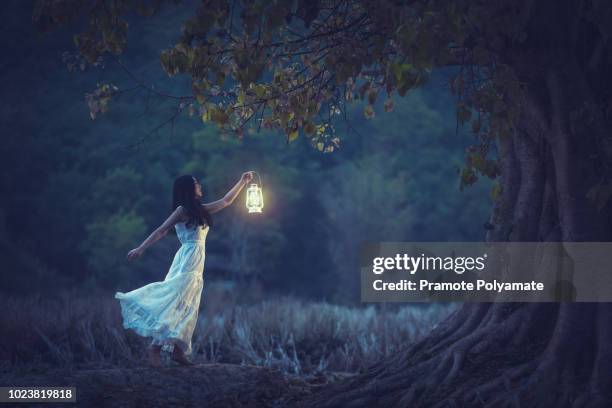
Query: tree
point(533, 86)
point(360, 197)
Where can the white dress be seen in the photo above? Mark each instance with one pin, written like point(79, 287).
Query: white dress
point(168, 311)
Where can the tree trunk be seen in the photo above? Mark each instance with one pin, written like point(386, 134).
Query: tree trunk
point(530, 354)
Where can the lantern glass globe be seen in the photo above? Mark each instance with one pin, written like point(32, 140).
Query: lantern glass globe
point(254, 199)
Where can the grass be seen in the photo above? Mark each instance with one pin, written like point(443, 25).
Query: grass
point(298, 337)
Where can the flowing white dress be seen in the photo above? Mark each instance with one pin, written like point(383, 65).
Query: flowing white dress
point(167, 311)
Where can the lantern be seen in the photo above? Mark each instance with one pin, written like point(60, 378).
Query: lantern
point(254, 197)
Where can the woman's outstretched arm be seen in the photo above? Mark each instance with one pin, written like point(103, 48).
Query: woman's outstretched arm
point(156, 235)
point(231, 195)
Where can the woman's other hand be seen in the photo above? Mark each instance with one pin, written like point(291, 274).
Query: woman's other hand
point(247, 177)
point(135, 253)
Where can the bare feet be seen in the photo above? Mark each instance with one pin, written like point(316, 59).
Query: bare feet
point(155, 356)
point(179, 357)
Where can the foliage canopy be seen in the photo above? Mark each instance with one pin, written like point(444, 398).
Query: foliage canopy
point(294, 65)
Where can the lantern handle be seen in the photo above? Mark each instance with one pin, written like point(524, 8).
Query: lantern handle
point(259, 177)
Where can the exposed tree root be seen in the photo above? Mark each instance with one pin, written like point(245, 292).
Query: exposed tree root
point(494, 365)
point(524, 355)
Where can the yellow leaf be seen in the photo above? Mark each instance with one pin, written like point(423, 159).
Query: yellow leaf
point(206, 115)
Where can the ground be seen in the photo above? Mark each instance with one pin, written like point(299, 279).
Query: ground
point(209, 385)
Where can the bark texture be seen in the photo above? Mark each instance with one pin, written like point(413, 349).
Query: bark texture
point(535, 354)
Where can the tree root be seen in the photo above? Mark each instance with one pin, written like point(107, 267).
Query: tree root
point(496, 364)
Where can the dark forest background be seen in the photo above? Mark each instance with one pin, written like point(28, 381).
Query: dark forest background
point(281, 288)
point(78, 194)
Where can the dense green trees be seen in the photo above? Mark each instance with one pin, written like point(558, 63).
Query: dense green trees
point(532, 83)
point(77, 198)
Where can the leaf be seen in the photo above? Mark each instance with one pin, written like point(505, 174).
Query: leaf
point(221, 117)
point(205, 115)
point(284, 118)
point(293, 135)
point(482, 164)
point(260, 90)
point(362, 89)
point(468, 177)
point(463, 113)
point(397, 71)
point(372, 96)
point(403, 89)
point(368, 112)
point(389, 105)
point(496, 191)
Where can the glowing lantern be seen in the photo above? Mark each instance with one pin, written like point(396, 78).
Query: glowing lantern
point(254, 197)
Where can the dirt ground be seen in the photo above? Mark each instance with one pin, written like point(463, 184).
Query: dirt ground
point(206, 385)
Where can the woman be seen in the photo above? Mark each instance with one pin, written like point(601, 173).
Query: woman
point(167, 311)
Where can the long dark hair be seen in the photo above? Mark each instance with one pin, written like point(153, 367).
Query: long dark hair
point(183, 193)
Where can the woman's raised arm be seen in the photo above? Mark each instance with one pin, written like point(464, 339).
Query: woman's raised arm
point(230, 196)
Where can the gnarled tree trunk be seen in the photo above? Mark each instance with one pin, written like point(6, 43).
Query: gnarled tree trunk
point(530, 354)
